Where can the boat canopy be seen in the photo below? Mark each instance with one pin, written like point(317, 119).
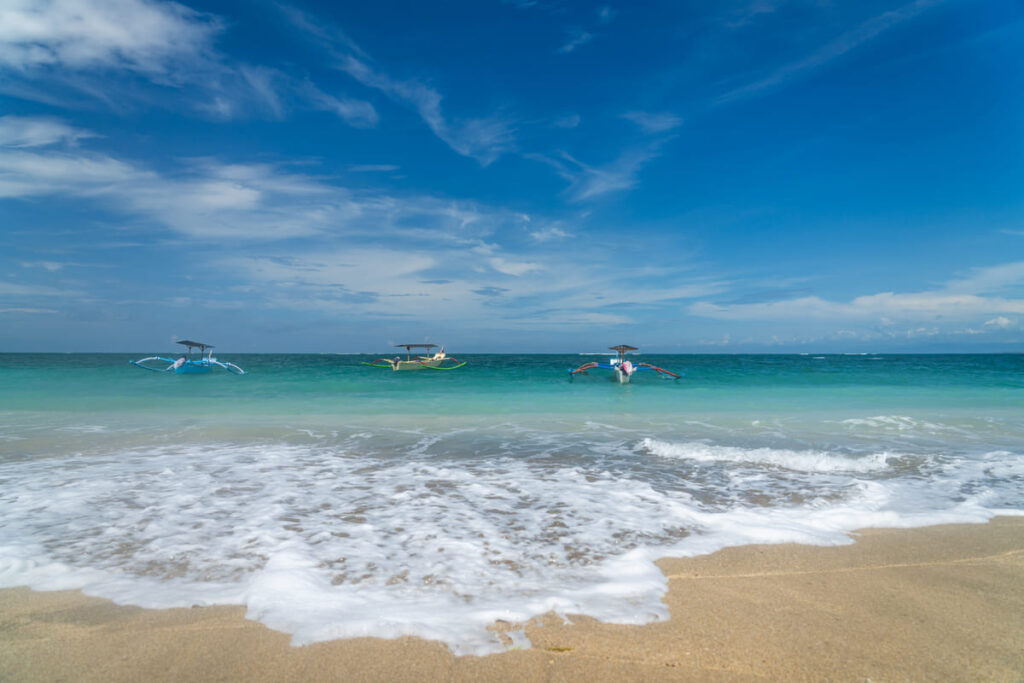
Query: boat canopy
point(189, 343)
point(622, 348)
point(415, 346)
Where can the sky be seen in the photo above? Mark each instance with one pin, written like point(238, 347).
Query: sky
point(522, 176)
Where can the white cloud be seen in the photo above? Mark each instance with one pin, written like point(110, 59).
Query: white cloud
point(373, 280)
point(515, 268)
point(967, 300)
point(139, 35)
point(208, 199)
point(24, 174)
point(27, 310)
point(549, 234)
point(19, 289)
point(51, 266)
point(654, 123)
point(990, 279)
point(886, 308)
point(399, 278)
point(1001, 323)
point(21, 131)
point(48, 45)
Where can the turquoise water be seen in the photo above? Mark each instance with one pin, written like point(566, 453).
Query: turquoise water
point(489, 385)
point(337, 500)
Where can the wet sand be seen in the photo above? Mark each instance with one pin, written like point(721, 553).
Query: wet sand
point(939, 603)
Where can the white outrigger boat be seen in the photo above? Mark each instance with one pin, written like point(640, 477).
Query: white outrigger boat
point(623, 369)
point(437, 361)
point(187, 365)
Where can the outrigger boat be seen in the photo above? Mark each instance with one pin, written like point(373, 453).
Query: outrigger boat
point(623, 369)
point(437, 361)
point(187, 365)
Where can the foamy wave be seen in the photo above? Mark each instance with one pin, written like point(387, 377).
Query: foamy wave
point(327, 542)
point(803, 461)
point(890, 422)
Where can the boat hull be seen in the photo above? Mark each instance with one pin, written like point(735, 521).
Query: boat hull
point(192, 368)
point(415, 364)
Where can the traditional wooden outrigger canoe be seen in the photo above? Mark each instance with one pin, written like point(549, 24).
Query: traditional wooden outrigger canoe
point(187, 365)
point(437, 361)
point(623, 369)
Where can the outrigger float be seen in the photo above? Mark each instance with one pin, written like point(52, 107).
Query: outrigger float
point(438, 361)
point(187, 365)
point(623, 369)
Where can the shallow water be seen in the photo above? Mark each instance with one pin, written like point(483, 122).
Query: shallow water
point(338, 500)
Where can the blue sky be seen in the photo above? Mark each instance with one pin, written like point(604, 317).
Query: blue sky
point(534, 176)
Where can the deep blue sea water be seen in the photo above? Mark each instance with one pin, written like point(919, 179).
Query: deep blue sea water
point(337, 500)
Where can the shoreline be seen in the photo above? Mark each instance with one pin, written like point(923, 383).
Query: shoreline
point(931, 603)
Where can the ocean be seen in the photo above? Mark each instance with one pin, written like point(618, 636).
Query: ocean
point(336, 500)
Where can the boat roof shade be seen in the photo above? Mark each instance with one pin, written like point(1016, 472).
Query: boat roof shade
point(623, 347)
point(188, 342)
point(415, 346)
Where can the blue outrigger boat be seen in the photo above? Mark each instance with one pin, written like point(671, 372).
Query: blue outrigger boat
point(622, 368)
point(187, 365)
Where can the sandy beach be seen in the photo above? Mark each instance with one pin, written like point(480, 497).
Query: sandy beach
point(937, 603)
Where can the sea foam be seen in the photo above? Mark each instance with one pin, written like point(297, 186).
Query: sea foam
point(804, 461)
point(328, 541)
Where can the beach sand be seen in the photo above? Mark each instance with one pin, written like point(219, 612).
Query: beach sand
point(938, 603)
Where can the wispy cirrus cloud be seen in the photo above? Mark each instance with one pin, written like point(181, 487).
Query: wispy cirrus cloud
point(373, 168)
point(838, 47)
point(29, 310)
point(747, 12)
point(52, 46)
point(483, 139)
point(357, 113)
point(328, 36)
point(588, 182)
point(654, 122)
point(51, 266)
point(577, 37)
